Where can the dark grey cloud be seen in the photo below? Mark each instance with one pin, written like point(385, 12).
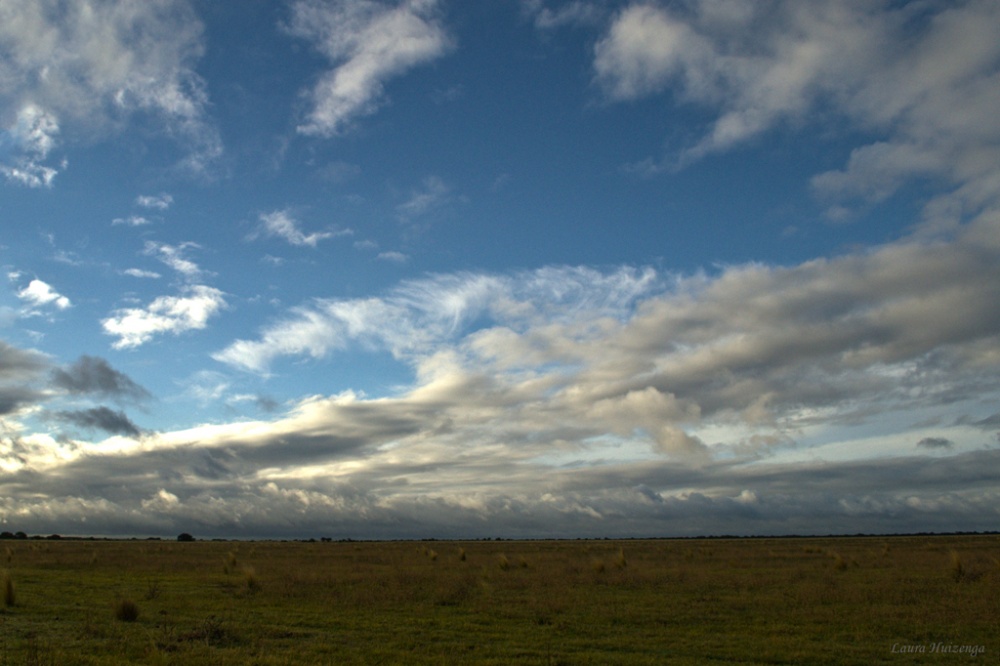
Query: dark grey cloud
point(100, 418)
point(18, 363)
point(991, 422)
point(94, 375)
point(935, 443)
point(19, 370)
point(903, 494)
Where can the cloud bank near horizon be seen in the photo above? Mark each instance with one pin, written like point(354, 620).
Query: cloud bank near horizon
point(618, 401)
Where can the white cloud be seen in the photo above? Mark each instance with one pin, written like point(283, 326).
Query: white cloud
point(281, 224)
point(25, 145)
point(575, 12)
point(432, 193)
point(39, 293)
point(370, 43)
point(172, 256)
point(923, 78)
point(132, 221)
point(93, 63)
point(166, 314)
point(156, 202)
point(139, 273)
point(420, 314)
point(393, 256)
point(653, 363)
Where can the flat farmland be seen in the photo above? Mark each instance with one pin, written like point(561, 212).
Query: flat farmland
point(848, 600)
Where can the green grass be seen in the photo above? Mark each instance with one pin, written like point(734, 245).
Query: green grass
point(761, 601)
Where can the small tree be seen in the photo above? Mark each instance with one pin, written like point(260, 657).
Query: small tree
point(184, 536)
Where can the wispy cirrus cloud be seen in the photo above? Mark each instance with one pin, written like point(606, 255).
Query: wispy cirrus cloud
point(282, 224)
point(173, 256)
point(132, 221)
point(433, 193)
point(575, 12)
point(369, 43)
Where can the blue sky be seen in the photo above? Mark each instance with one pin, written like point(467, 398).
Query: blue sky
point(518, 268)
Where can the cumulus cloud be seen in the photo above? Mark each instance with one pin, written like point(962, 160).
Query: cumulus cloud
point(94, 375)
point(923, 79)
point(166, 314)
point(39, 293)
point(92, 64)
point(369, 43)
point(281, 224)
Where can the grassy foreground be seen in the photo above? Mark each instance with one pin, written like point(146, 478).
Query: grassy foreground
point(866, 600)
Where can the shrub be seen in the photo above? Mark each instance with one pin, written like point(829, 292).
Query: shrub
point(184, 536)
point(126, 610)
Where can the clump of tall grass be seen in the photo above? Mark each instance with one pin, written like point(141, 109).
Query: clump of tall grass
point(10, 554)
point(250, 580)
point(9, 593)
point(152, 590)
point(126, 610)
point(839, 563)
point(461, 555)
point(956, 568)
point(620, 562)
point(230, 563)
point(503, 562)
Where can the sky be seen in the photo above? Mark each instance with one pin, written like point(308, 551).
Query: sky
point(519, 268)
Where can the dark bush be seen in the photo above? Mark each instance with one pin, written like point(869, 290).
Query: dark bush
point(184, 536)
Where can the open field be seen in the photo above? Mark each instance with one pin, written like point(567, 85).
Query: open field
point(858, 600)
